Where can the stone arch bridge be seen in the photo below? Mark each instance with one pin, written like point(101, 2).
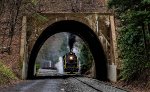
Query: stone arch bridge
point(96, 29)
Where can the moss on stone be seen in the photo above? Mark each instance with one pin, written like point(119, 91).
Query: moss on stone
point(6, 74)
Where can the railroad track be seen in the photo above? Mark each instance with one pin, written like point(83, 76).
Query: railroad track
point(88, 84)
point(105, 88)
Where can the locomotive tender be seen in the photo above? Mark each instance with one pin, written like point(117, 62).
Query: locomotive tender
point(71, 64)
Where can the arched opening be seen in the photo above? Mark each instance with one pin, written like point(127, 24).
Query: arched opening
point(83, 32)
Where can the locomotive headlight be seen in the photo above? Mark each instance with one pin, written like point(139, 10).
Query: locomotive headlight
point(71, 57)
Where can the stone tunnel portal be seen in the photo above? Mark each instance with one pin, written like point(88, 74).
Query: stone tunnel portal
point(77, 28)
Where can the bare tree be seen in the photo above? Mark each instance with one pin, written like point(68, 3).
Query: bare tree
point(9, 15)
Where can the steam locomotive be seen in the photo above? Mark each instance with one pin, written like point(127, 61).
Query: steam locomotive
point(71, 64)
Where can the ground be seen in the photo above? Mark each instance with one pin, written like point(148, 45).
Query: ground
point(133, 87)
point(71, 84)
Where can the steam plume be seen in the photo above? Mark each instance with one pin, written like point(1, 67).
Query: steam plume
point(71, 41)
point(59, 66)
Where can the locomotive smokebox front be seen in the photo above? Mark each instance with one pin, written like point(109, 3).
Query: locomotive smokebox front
point(71, 65)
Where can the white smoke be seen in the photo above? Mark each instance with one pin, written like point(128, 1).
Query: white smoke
point(59, 66)
point(76, 51)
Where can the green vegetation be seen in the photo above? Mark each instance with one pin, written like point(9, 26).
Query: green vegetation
point(37, 65)
point(85, 58)
point(134, 36)
point(6, 74)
